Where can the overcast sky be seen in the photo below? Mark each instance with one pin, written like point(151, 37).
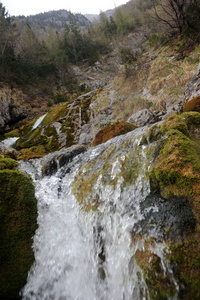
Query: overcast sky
point(25, 7)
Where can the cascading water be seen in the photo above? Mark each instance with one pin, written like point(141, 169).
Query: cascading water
point(89, 254)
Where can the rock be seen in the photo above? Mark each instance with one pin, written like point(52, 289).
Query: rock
point(175, 176)
point(164, 218)
point(52, 161)
point(110, 131)
point(18, 222)
point(10, 111)
point(192, 93)
point(143, 117)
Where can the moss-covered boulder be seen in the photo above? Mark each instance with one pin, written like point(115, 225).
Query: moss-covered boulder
point(18, 222)
point(7, 163)
point(110, 131)
point(60, 128)
point(175, 175)
point(171, 210)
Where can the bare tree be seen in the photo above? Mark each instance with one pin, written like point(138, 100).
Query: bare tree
point(173, 13)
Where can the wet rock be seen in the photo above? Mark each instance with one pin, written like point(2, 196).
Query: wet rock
point(143, 117)
point(170, 219)
point(18, 222)
point(53, 161)
point(110, 131)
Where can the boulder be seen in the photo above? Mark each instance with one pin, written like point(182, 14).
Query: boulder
point(18, 222)
point(110, 131)
point(53, 161)
point(143, 117)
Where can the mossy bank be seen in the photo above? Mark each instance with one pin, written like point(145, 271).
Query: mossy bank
point(18, 220)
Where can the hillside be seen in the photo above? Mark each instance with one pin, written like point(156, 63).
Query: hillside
point(100, 155)
point(56, 19)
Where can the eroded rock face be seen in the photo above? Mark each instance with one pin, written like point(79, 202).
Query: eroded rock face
point(143, 117)
point(192, 93)
point(10, 110)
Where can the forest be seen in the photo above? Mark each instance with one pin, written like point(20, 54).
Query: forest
point(35, 49)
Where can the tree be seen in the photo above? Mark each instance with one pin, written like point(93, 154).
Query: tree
point(173, 13)
point(6, 37)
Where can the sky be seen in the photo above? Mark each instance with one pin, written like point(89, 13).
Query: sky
point(25, 7)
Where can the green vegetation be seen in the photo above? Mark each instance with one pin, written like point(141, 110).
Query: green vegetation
point(18, 222)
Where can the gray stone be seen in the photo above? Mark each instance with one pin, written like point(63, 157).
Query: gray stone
point(143, 117)
point(53, 161)
point(192, 89)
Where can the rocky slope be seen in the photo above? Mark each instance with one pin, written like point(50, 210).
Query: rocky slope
point(142, 93)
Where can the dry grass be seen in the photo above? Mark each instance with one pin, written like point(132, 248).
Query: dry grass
point(164, 77)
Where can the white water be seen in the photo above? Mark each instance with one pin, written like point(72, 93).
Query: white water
point(9, 142)
point(38, 121)
point(87, 256)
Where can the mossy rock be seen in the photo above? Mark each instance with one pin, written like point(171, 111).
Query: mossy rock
point(33, 152)
point(159, 284)
point(176, 173)
point(55, 114)
point(18, 218)
point(7, 163)
point(110, 131)
point(192, 105)
point(13, 133)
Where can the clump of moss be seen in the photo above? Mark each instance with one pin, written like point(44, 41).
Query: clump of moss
point(176, 172)
point(7, 163)
point(176, 122)
point(110, 131)
point(33, 152)
point(177, 167)
point(13, 133)
point(18, 222)
point(186, 257)
point(158, 281)
point(55, 114)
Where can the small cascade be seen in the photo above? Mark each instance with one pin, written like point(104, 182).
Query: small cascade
point(38, 121)
point(86, 247)
point(9, 142)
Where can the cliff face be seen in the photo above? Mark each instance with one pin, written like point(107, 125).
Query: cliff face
point(12, 108)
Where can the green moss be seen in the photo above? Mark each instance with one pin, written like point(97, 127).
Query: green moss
point(175, 122)
point(158, 282)
point(177, 167)
point(7, 163)
point(33, 152)
point(18, 222)
point(23, 130)
point(13, 133)
point(55, 114)
point(176, 172)
point(186, 257)
point(85, 116)
point(192, 118)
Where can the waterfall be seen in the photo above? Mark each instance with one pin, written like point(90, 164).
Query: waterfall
point(88, 254)
point(38, 121)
